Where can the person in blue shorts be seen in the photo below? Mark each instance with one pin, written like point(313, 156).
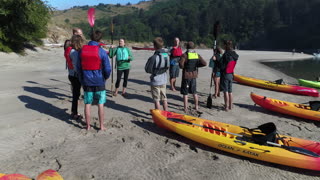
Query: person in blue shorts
point(228, 64)
point(214, 63)
point(94, 69)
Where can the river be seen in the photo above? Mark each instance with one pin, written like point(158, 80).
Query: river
point(308, 69)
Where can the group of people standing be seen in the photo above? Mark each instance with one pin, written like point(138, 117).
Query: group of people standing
point(89, 67)
point(222, 65)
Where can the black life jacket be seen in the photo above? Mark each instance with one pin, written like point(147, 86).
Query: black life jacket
point(192, 62)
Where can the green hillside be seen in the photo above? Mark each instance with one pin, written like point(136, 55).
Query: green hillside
point(253, 24)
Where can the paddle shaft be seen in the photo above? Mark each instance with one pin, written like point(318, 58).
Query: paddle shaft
point(112, 57)
point(290, 148)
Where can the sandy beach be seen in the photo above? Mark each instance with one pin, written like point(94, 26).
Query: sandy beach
point(36, 132)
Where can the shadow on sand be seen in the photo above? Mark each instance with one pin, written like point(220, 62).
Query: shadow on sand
point(48, 109)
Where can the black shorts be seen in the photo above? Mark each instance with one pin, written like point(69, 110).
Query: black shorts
point(188, 86)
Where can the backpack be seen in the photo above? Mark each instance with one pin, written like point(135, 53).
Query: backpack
point(158, 63)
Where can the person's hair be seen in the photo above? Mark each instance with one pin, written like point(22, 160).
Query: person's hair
point(77, 42)
point(67, 43)
point(75, 30)
point(218, 51)
point(190, 45)
point(158, 42)
point(228, 44)
point(96, 36)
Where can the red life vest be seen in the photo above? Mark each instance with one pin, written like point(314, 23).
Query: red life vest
point(68, 58)
point(176, 52)
point(90, 59)
point(230, 66)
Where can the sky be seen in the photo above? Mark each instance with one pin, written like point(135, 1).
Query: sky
point(66, 4)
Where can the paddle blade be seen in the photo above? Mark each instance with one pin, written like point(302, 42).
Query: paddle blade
point(49, 175)
point(91, 16)
point(301, 151)
point(209, 102)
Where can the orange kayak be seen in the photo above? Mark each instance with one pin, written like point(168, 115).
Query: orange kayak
point(276, 87)
point(285, 107)
point(234, 139)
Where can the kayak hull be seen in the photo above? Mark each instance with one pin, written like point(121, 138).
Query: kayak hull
point(314, 84)
point(231, 143)
point(285, 107)
point(276, 87)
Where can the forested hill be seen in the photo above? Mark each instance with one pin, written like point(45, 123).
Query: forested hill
point(252, 24)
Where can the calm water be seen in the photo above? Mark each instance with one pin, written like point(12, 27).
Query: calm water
point(301, 69)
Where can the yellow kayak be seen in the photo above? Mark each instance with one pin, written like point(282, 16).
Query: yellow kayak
point(276, 87)
point(283, 150)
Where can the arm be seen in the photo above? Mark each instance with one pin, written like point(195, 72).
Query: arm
point(112, 52)
point(78, 67)
point(106, 68)
point(201, 62)
point(130, 54)
point(182, 61)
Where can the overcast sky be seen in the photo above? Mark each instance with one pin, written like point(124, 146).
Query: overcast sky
point(66, 4)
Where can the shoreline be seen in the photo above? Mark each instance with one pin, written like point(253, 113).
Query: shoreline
point(36, 133)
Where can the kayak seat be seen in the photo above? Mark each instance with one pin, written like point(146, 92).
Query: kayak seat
point(279, 81)
point(314, 105)
point(263, 133)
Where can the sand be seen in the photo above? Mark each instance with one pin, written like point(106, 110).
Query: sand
point(37, 134)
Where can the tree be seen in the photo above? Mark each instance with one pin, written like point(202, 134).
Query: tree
point(21, 22)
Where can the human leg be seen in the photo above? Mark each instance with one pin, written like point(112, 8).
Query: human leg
point(217, 87)
point(172, 84)
point(88, 99)
point(119, 74)
point(230, 101)
point(163, 96)
point(125, 81)
point(74, 106)
point(101, 116)
point(185, 103)
point(226, 100)
point(165, 105)
point(157, 104)
point(87, 115)
point(196, 101)
point(155, 92)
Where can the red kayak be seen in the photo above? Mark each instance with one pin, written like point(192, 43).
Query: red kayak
point(138, 48)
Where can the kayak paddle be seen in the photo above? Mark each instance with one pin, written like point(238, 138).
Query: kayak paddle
point(91, 18)
point(294, 149)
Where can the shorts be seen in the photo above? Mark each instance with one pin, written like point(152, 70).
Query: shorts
point(188, 86)
point(174, 71)
point(226, 83)
point(217, 74)
point(159, 93)
point(98, 97)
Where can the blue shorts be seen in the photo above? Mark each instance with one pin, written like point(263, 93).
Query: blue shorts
point(217, 74)
point(226, 83)
point(98, 97)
